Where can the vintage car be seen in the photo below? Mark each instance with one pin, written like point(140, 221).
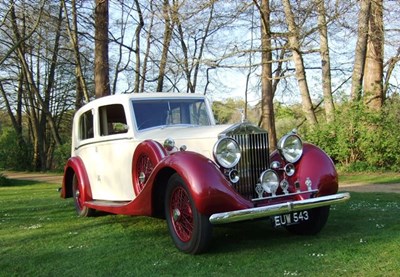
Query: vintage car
point(163, 155)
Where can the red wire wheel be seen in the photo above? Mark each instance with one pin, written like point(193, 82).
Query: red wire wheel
point(78, 193)
point(190, 230)
point(147, 155)
point(181, 214)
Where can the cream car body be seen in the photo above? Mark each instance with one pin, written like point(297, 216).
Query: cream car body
point(101, 152)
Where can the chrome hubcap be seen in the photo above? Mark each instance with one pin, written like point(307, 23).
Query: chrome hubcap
point(142, 177)
point(176, 214)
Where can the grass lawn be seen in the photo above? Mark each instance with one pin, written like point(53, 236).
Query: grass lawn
point(40, 235)
point(370, 178)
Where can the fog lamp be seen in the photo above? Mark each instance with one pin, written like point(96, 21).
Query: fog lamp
point(269, 181)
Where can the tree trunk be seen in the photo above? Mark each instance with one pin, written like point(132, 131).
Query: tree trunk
point(101, 71)
point(137, 49)
point(267, 100)
point(167, 41)
point(36, 102)
point(299, 64)
point(148, 45)
point(81, 87)
point(361, 49)
point(325, 63)
point(373, 69)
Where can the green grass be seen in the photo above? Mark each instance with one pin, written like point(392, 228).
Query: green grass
point(40, 235)
point(370, 178)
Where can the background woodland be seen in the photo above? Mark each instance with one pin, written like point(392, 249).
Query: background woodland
point(327, 68)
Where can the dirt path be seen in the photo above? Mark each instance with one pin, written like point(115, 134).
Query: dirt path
point(57, 179)
point(34, 176)
point(394, 188)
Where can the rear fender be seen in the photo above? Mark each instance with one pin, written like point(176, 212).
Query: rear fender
point(75, 166)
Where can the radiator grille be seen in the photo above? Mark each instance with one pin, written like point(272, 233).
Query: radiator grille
point(254, 160)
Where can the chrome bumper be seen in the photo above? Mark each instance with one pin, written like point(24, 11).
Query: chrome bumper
point(278, 209)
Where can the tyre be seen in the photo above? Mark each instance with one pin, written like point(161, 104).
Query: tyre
point(314, 225)
point(190, 230)
point(79, 198)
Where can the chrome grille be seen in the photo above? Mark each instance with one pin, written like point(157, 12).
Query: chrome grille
point(254, 160)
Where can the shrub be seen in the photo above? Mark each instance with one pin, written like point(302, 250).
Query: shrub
point(4, 181)
point(61, 155)
point(14, 152)
point(361, 139)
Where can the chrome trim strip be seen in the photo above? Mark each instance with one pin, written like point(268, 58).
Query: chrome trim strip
point(277, 209)
point(98, 141)
point(284, 195)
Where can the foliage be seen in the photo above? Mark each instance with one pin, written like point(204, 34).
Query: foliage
point(40, 235)
point(3, 180)
point(362, 139)
point(287, 117)
point(230, 111)
point(14, 152)
point(61, 155)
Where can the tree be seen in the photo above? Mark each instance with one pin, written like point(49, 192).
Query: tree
point(325, 62)
point(267, 100)
point(361, 49)
point(373, 68)
point(168, 29)
point(81, 87)
point(38, 92)
point(101, 64)
point(294, 44)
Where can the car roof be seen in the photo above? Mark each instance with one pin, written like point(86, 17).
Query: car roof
point(119, 98)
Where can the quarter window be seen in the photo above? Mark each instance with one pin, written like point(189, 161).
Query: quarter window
point(86, 126)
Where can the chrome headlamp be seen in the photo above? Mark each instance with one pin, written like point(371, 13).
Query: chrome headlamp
point(269, 181)
point(290, 147)
point(227, 152)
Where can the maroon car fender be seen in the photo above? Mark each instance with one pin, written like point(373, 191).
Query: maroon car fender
point(75, 166)
point(145, 158)
point(210, 189)
point(316, 165)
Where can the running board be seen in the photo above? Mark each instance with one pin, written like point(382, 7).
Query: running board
point(105, 203)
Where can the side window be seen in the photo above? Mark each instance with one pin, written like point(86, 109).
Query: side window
point(86, 126)
point(112, 120)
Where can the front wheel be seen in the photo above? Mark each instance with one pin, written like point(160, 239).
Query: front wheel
point(190, 230)
point(314, 225)
point(78, 194)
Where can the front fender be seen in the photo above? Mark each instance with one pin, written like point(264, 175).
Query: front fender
point(75, 166)
point(316, 165)
point(210, 190)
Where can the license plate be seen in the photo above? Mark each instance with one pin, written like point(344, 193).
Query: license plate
point(290, 219)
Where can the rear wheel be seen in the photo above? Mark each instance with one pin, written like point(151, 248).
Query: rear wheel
point(79, 198)
point(190, 230)
point(317, 220)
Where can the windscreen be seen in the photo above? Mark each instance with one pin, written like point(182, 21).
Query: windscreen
point(152, 113)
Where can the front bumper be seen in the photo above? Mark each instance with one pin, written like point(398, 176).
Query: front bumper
point(278, 209)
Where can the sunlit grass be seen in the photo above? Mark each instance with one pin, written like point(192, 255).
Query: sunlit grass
point(370, 178)
point(40, 235)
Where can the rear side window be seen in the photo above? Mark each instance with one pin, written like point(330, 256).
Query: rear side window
point(86, 126)
point(112, 120)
